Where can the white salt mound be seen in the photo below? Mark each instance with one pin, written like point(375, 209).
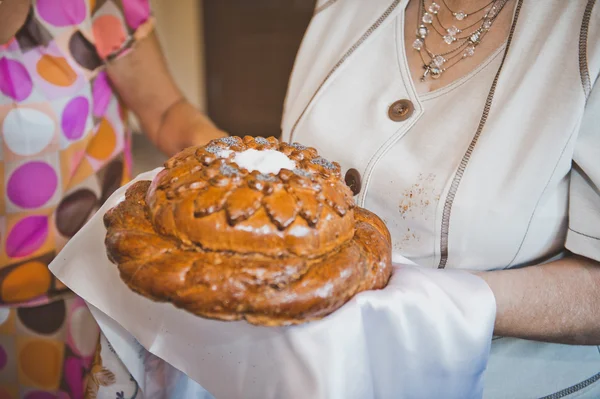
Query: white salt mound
point(265, 161)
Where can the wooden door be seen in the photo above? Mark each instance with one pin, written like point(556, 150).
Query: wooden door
point(250, 46)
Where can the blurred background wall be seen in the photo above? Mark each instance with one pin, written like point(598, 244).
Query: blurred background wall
point(180, 27)
point(231, 58)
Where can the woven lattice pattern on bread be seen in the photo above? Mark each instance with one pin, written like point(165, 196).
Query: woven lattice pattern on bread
point(284, 265)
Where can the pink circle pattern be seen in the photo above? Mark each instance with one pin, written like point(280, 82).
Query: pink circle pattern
point(27, 236)
point(15, 81)
point(74, 118)
point(101, 93)
point(62, 13)
point(32, 184)
point(136, 12)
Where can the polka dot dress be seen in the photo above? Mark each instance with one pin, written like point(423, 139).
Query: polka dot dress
point(64, 148)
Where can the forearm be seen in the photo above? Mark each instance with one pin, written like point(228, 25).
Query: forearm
point(143, 81)
point(556, 302)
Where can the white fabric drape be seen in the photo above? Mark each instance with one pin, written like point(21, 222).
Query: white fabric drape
point(426, 335)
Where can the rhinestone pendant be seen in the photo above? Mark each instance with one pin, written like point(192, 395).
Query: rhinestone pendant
point(469, 51)
point(426, 68)
point(453, 30)
point(460, 15)
point(487, 24)
point(449, 39)
point(475, 38)
point(437, 61)
point(434, 8)
point(418, 44)
point(422, 32)
point(427, 18)
point(432, 70)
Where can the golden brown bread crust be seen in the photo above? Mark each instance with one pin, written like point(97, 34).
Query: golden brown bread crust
point(203, 200)
point(263, 258)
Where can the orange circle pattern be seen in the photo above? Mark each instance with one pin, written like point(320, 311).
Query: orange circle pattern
point(56, 70)
point(27, 281)
point(40, 362)
point(104, 141)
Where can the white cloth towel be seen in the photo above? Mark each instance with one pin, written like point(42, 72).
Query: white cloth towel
point(426, 335)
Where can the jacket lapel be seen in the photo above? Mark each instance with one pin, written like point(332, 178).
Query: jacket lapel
point(334, 37)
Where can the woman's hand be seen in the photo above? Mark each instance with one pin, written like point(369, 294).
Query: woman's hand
point(143, 81)
point(555, 302)
point(184, 126)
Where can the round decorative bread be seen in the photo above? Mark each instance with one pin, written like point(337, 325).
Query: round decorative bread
point(249, 228)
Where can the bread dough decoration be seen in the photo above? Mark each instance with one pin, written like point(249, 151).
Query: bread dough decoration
point(250, 228)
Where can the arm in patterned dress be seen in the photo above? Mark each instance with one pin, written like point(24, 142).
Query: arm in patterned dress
point(140, 76)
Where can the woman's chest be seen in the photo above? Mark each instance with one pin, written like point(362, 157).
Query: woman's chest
point(473, 176)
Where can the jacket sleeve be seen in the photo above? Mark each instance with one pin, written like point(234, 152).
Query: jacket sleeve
point(583, 236)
